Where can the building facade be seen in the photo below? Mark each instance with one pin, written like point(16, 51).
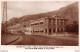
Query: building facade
point(48, 25)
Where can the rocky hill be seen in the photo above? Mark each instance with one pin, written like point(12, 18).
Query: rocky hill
point(70, 12)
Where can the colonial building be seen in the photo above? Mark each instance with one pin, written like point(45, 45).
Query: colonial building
point(48, 25)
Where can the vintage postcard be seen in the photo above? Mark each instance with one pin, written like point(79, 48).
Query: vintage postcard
point(40, 24)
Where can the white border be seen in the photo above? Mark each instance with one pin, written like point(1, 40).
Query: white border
point(12, 47)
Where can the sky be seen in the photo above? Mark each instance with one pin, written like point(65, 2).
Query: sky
point(21, 8)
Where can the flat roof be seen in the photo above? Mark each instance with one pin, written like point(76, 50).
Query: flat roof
point(42, 19)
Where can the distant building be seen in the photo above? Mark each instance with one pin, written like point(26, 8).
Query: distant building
point(48, 25)
point(23, 28)
point(27, 30)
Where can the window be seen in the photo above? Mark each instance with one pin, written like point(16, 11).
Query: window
point(61, 21)
point(49, 20)
point(31, 24)
point(24, 25)
point(35, 31)
point(41, 31)
point(41, 22)
point(38, 31)
point(65, 22)
point(35, 24)
point(53, 21)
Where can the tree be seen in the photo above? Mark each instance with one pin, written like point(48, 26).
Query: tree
point(73, 27)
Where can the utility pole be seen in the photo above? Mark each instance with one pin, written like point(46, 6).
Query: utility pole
point(4, 12)
point(4, 17)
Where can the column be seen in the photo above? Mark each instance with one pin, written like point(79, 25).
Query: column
point(56, 26)
point(63, 25)
point(59, 25)
point(47, 26)
point(51, 26)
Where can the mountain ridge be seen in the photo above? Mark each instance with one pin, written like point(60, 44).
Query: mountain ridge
point(70, 12)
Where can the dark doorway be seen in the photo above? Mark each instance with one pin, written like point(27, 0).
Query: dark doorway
point(50, 30)
point(53, 30)
point(61, 30)
point(45, 30)
point(58, 30)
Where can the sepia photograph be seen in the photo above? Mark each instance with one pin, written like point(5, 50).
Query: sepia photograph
point(46, 23)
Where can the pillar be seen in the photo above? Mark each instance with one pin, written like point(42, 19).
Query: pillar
point(51, 26)
point(47, 24)
point(56, 26)
point(63, 26)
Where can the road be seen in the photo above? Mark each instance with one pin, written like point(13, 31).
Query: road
point(46, 40)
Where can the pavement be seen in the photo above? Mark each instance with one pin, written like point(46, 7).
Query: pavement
point(8, 39)
point(41, 40)
point(47, 40)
